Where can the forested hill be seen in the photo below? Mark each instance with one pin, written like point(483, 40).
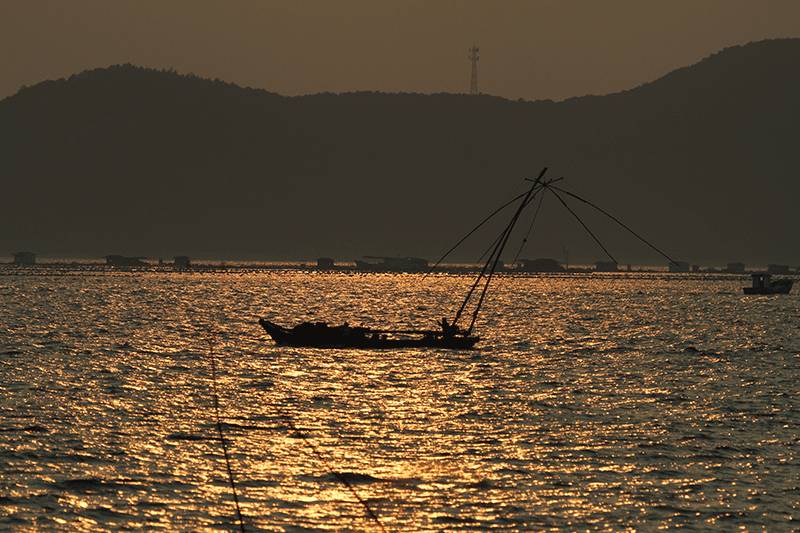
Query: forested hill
point(705, 161)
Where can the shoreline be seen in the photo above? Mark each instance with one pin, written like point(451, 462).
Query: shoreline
point(56, 268)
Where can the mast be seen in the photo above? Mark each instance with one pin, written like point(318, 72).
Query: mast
point(494, 257)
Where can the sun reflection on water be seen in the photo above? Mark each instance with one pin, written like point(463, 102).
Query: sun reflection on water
point(592, 404)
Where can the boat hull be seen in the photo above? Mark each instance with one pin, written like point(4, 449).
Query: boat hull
point(335, 338)
point(767, 290)
point(776, 287)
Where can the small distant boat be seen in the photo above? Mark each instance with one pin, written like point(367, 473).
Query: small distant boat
point(763, 284)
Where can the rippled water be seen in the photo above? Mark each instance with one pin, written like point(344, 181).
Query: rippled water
point(594, 402)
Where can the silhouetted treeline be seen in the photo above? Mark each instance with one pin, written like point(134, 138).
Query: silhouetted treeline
point(143, 162)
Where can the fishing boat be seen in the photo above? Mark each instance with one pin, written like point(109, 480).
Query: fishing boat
point(451, 334)
point(764, 284)
point(321, 335)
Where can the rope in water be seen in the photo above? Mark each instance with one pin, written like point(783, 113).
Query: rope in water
point(222, 439)
point(314, 450)
point(339, 477)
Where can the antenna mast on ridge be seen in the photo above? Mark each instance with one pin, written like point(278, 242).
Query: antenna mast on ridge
point(473, 57)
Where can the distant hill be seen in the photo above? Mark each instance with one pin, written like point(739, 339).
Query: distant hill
point(127, 160)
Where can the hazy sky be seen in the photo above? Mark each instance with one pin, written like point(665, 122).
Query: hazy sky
point(529, 49)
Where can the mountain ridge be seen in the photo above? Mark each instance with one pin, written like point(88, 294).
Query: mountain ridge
point(155, 163)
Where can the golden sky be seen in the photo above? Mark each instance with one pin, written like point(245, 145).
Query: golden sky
point(529, 49)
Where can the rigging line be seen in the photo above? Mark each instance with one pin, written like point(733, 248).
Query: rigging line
point(496, 256)
point(500, 240)
point(530, 229)
point(495, 245)
point(339, 477)
point(618, 221)
point(541, 189)
point(490, 248)
point(582, 224)
point(222, 435)
point(497, 242)
point(473, 230)
point(502, 245)
point(480, 276)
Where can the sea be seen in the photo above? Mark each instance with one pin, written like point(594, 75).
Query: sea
point(593, 402)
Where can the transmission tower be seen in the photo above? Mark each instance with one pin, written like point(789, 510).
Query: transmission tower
point(473, 82)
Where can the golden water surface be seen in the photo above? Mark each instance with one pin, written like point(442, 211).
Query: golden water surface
point(592, 403)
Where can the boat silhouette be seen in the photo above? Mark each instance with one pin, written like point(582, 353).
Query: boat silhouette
point(451, 334)
point(321, 335)
point(764, 284)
